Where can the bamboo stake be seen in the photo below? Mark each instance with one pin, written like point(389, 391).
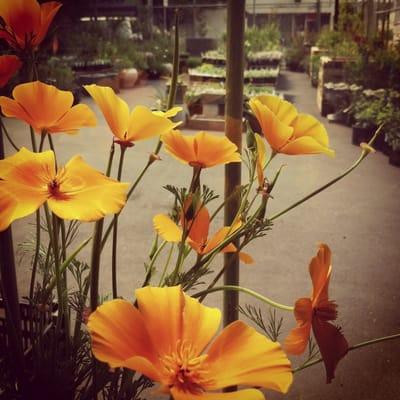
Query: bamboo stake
point(233, 131)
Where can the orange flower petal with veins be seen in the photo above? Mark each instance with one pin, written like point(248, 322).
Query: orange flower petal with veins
point(178, 329)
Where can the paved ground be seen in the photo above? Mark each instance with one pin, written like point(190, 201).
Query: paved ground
point(359, 219)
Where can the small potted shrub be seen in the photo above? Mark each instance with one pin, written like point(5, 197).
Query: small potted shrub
point(366, 120)
point(392, 138)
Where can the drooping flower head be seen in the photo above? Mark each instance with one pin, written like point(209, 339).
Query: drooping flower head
point(26, 22)
point(165, 338)
point(197, 230)
point(202, 150)
point(76, 191)
point(314, 313)
point(286, 130)
point(47, 109)
point(127, 127)
point(9, 65)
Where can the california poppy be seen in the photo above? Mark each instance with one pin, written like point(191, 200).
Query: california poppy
point(9, 65)
point(76, 191)
point(165, 336)
point(315, 312)
point(286, 130)
point(201, 150)
point(47, 109)
point(140, 124)
point(26, 22)
point(198, 233)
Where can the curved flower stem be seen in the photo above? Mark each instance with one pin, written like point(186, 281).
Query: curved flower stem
point(152, 262)
point(115, 232)
point(33, 139)
point(97, 247)
point(356, 346)
point(166, 265)
point(363, 155)
point(41, 143)
point(250, 292)
point(3, 127)
point(36, 255)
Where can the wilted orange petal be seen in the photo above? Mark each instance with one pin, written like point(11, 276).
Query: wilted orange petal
point(75, 118)
point(118, 333)
point(306, 145)
point(332, 345)
point(9, 65)
point(179, 146)
point(144, 124)
point(220, 236)
point(167, 228)
point(87, 194)
point(320, 271)
point(246, 394)
point(47, 13)
point(246, 258)
point(199, 226)
point(200, 323)
point(114, 109)
point(242, 356)
point(162, 309)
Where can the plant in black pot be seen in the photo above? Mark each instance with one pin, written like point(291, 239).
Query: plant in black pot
point(392, 137)
point(366, 119)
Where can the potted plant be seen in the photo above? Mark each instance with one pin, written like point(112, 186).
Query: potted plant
point(392, 138)
point(366, 116)
point(128, 75)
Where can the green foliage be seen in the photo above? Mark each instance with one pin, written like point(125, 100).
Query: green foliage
point(57, 71)
point(296, 54)
point(193, 62)
point(261, 39)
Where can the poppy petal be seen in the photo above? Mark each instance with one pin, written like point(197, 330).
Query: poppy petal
point(161, 309)
point(199, 226)
point(248, 394)
point(284, 111)
point(48, 11)
point(307, 125)
point(305, 145)
point(167, 228)
point(76, 117)
point(179, 146)
point(276, 132)
point(213, 150)
point(144, 124)
point(12, 109)
point(169, 113)
point(332, 345)
point(87, 194)
point(118, 333)
point(246, 258)
point(114, 109)
point(200, 323)
point(320, 270)
point(242, 356)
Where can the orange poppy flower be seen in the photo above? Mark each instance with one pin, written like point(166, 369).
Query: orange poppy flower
point(140, 124)
point(286, 130)
point(9, 65)
point(164, 339)
point(76, 191)
point(315, 312)
point(26, 22)
point(201, 150)
point(198, 233)
point(47, 109)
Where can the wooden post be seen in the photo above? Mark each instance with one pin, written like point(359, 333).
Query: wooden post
point(233, 131)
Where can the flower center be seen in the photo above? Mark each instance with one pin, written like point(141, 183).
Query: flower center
point(184, 368)
point(54, 186)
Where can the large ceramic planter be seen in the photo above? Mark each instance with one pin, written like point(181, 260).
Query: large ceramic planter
point(128, 78)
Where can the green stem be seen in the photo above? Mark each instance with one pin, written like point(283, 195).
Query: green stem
point(356, 346)
point(115, 232)
point(110, 158)
point(41, 143)
point(153, 260)
point(363, 155)
point(166, 265)
point(247, 291)
point(36, 255)
point(3, 127)
point(33, 139)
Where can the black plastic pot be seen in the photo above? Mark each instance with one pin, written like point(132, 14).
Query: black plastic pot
point(394, 157)
point(362, 133)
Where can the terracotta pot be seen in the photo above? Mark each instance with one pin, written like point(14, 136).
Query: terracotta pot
point(128, 78)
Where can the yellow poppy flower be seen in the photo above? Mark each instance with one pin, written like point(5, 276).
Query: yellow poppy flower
point(165, 337)
point(201, 150)
point(47, 109)
point(286, 130)
point(9, 65)
point(76, 191)
point(26, 22)
point(140, 124)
